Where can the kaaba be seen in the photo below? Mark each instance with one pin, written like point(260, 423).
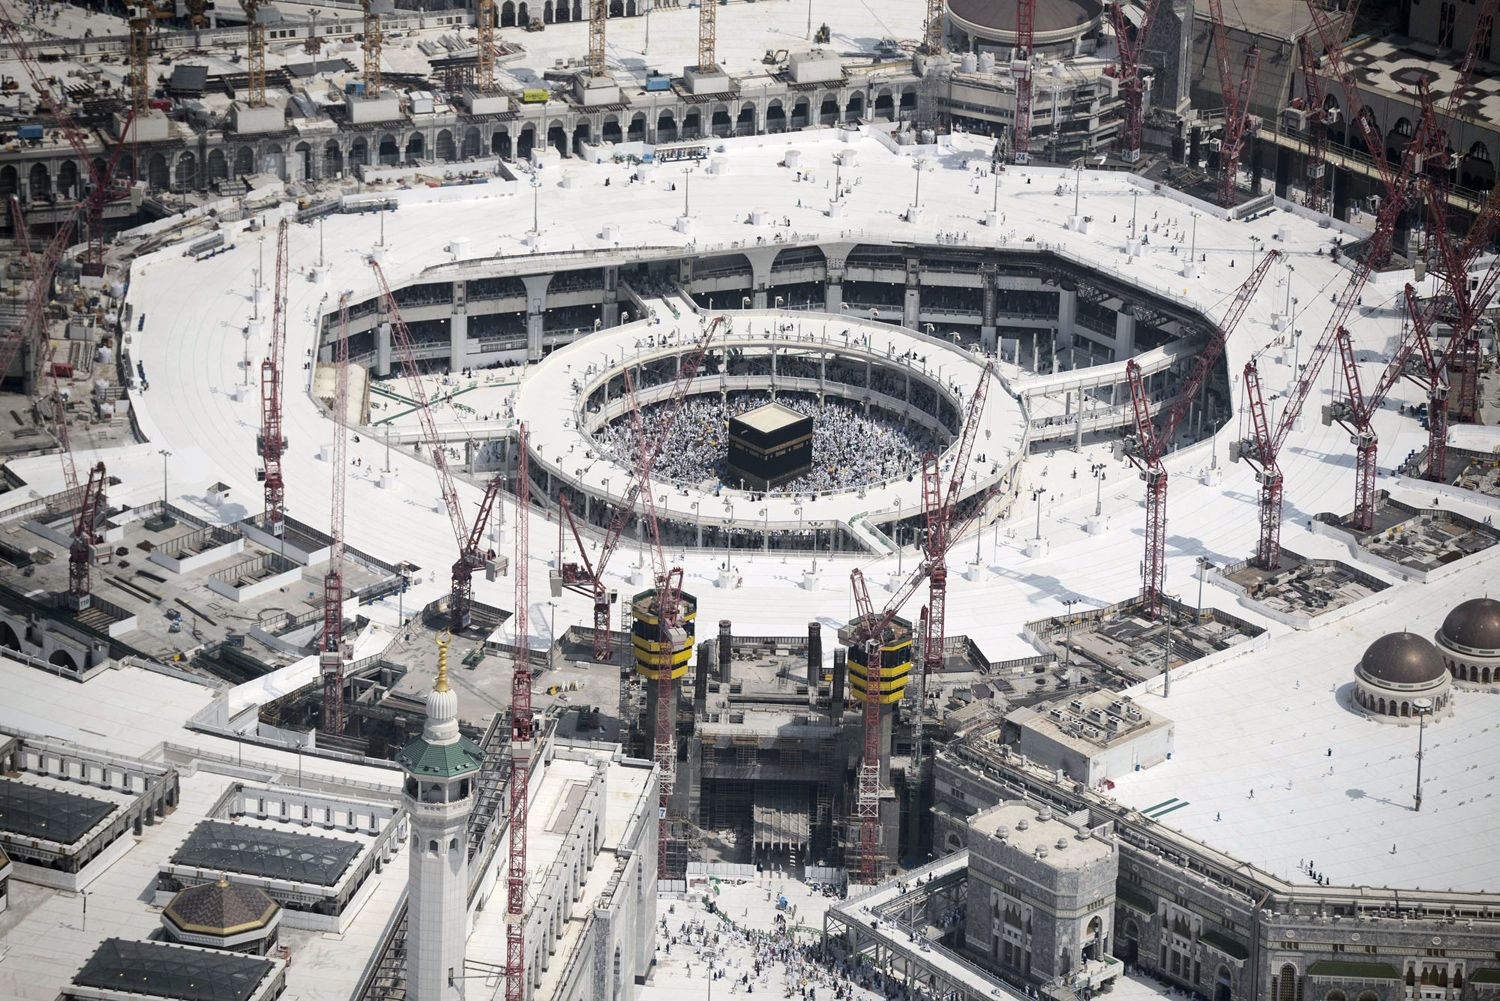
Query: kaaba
point(769, 446)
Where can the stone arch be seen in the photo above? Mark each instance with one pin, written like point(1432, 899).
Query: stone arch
point(158, 176)
point(828, 111)
point(578, 10)
point(637, 131)
point(564, 11)
point(630, 8)
point(444, 146)
point(416, 147)
point(8, 638)
point(581, 135)
point(39, 181)
point(616, 8)
point(388, 152)
point(526, 142)
point(1356, 138)
point(612, 133)
point(217, 168)
point(692, 124)
point(1406, 710)
point(1335, 995)
point(801, 114)
point(67, 179)
point(186, 175)
point(855, 109)
point(500, 143)
point(244, 161)
point(744, 125)
point(1367, 996)
point(523, 14)
point(908, 101)
point(359, 153)
point(720, 123)
point(508, 14)
point(1286, 984)
point(557, 136)
point(473, 143)
point(666, 127)
point(548, 15)
point(1484, 674)
point(333, 159)
point(617, 978)
point(775, 116)
point(303, 152)
point(1477, 170)
point(63, 659)
point(885, 105)
point(10, 182)
point(126, 167)
point(1223, 984)
point(1398, 138)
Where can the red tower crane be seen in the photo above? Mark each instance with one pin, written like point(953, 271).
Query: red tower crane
point(1263, 448)
point(331, 652)
point(943, 529)
point(1236, 102)
point(869, 631)
point(86, 538)
point(521, 737)
point(1020, 70)
point(271, 442)
point(586, 577)
point(669, 634)
point(461, 594)
point(1319, 117)
point(1149, 445)
point(1128, 44)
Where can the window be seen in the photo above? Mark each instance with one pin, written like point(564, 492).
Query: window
point(432, 848)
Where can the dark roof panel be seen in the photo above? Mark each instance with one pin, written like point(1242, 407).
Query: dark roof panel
point(256, 851)
point(48, 814)
point(155, 969)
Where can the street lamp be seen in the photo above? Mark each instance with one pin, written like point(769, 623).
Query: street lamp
point(1098, 470)
point(552, 621)
point(1422, 708)
point(1037, 494)
point(1135, 195)
point(765, 531)
point(1203, 568)
point(916, 202)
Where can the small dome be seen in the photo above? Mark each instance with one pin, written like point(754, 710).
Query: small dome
point(220, 909)
point(1402, 659)
point(1475, 625)
point(1050, 15)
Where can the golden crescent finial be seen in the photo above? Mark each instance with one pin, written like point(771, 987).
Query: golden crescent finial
point(442, 676)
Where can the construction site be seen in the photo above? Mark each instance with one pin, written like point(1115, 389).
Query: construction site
point(577, 500)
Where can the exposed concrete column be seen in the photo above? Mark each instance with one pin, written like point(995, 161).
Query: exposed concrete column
point(833, 296)
point(609, 309)
point(458, 327)
point(383, 348)
point(1124, 335)
point(761, 259)
point(990, 311)
point(1067, 311)
point(911, 308)
point(536, 306)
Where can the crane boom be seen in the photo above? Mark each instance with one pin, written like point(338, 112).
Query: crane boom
point(1020, 70)
point(1128, 47)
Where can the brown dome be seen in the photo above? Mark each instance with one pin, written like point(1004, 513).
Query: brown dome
point(1402, 659)
point(1475, 625)
point(221, 908)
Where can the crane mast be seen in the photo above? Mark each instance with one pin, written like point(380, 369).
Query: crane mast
point(331, 653)
point(521, 739)
point(1236, 96)
point(1020, 70)
point(272, 442)
point(255, 55)
point(1318, 120)
point(1128, 46)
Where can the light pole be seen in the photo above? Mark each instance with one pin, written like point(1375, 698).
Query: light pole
point(916, 202)
point(1288, 310)
point(1422, 707)
point(552, 621)
point(536, 200)
point(1255, 243)
point(1203, 568)
point(165, 455)
point(1098, 470)
point(320, 241)
point(1037, 494)
point(1068, 603)
point(765, 529)
point(1135, 195)
point(687, 178)
point(1193, 247)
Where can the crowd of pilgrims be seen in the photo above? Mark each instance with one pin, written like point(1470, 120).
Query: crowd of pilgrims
point(850, 449)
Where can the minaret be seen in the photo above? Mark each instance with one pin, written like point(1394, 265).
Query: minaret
point(441, 768)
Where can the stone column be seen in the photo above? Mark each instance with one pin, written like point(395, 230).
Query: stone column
point(383, 349)
point(536, 306)
point(609, 309)
point(833, 298)
point(1124, 335)
point(988, 324)
point(1067, 311)
point(911, 308)
point(458, 327)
